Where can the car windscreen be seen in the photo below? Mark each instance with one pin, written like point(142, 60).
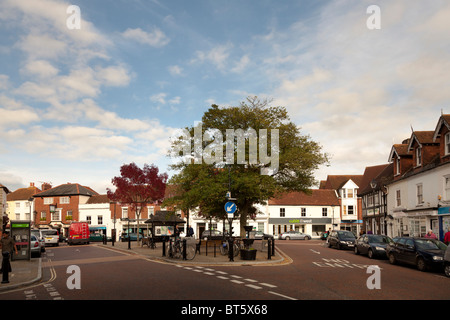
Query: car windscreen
point(346, 234)
point(50, 232)
point(423, 244)
point(379, 239)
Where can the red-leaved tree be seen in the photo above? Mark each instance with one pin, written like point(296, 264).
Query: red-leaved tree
point(138, 187)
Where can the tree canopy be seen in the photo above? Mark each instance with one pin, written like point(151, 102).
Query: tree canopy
point(204, 184)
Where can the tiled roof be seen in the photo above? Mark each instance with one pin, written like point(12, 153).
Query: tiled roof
point(99, 198)
point(68, 189)
point(382, 174)
point(336, 182)
point(23, 194)
point(318, 197)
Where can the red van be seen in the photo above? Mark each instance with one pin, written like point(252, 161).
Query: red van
point(78, 233)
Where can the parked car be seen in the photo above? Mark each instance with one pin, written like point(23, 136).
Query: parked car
point(38, 234)
point(447, 262)
point(341, 239)
point(35, 246)
point(133, 237)
point(261, 235)
point(294, 235)
point(373, 245)
point(98, 237)
point(213, 235)
point(51, 236)
point(424, 253)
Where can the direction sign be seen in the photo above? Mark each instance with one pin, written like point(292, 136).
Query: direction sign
point(230, 207)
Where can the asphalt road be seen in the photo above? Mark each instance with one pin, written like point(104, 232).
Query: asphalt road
point(316, 273)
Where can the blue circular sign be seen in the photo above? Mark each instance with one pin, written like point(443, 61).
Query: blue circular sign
point(230, 207)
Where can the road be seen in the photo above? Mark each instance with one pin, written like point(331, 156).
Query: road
point(316, 273)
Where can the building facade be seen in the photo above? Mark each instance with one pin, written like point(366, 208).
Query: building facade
point(20, 204)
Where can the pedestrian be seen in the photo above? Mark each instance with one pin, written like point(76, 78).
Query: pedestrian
point(7, 245)
point(447, 236)
point(430, 235)
point(190, 232)
point(120, 235)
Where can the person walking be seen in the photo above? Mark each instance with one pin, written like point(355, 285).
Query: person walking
point(7, 245)
point(447, 236)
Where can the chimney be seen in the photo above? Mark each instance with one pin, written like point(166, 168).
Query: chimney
point(32, 184)
point(46, 186)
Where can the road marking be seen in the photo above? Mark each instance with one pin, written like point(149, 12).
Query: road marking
point(253, 286)
point(315, 251)
point(267, 285)
point(250, 280)
point(237, 281)
point(237, 277)
point(209, 273)
point(222, 272)
point(281, 295)
point(222, 277)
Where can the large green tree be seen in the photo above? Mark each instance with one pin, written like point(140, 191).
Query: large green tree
point(203, 183)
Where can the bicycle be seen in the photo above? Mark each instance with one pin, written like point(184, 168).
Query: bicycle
point(224, 248)
point(175, 250)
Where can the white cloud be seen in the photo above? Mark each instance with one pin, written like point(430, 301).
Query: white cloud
point(175, 70)
point(217, 56)
point(155, 38)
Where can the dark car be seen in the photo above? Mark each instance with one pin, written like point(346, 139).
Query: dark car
point(133, 237)
point(424, 253)
point(341, 239)
point(374, 245)
point(447, 262)
point(213, 235)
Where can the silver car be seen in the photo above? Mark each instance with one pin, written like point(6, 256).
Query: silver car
point(294, 235)
point(35, 246)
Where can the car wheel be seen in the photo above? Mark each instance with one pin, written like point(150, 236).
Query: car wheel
point(287, 238)
point(392, 259)
point(447, 270)
point(370, 254)
point(356, 250)
point(421, 265)
point(307, 238)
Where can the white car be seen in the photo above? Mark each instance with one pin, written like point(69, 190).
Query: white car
point(51, 236)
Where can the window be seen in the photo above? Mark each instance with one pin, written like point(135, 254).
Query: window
point(345, 210)
point(282, 212)
point(419, 194)
point(89, 219)
point(343, 193)
point(447, 188)
point(17, 204)
point(349, 193)
point(350, 210)
point(324, 212)
point(447, 143)
point(48, 200)
point(418, 156)
point(56, 215)
point(64, 200)
point(124, 213)
point(397, 166)
point(303, 212)
point(100, 220)
point(398, 198)
point(69, 214)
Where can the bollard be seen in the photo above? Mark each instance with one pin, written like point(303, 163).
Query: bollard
point(184, 249)
point(206, 248)
point(269, 251)
point(5, 267)
point(230, 250)
point(214, 249)
point(273, 247)
point(164, 247)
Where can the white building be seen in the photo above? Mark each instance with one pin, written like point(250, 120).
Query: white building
point(20, 205)
point(420, 192)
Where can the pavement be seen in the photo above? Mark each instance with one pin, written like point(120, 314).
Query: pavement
point(27, 272)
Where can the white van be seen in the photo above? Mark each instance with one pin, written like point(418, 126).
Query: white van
point(51, 236)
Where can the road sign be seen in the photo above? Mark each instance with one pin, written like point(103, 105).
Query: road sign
point(230, 208)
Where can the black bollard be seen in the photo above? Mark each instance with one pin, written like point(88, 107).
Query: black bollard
point(164, 247)
point(230, 250)
point(273, 247)
point(184, 249)
point(269, 251)
point(5, 267)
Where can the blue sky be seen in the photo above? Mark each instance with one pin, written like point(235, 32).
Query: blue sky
point(77, 104)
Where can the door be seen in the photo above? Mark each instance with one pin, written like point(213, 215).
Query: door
point(409, 252)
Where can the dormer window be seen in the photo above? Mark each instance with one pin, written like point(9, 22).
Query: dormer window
point(447, 143)
point(419, 156)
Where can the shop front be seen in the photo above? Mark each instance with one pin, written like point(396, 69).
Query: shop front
point(311, 226)
point(444, 221)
